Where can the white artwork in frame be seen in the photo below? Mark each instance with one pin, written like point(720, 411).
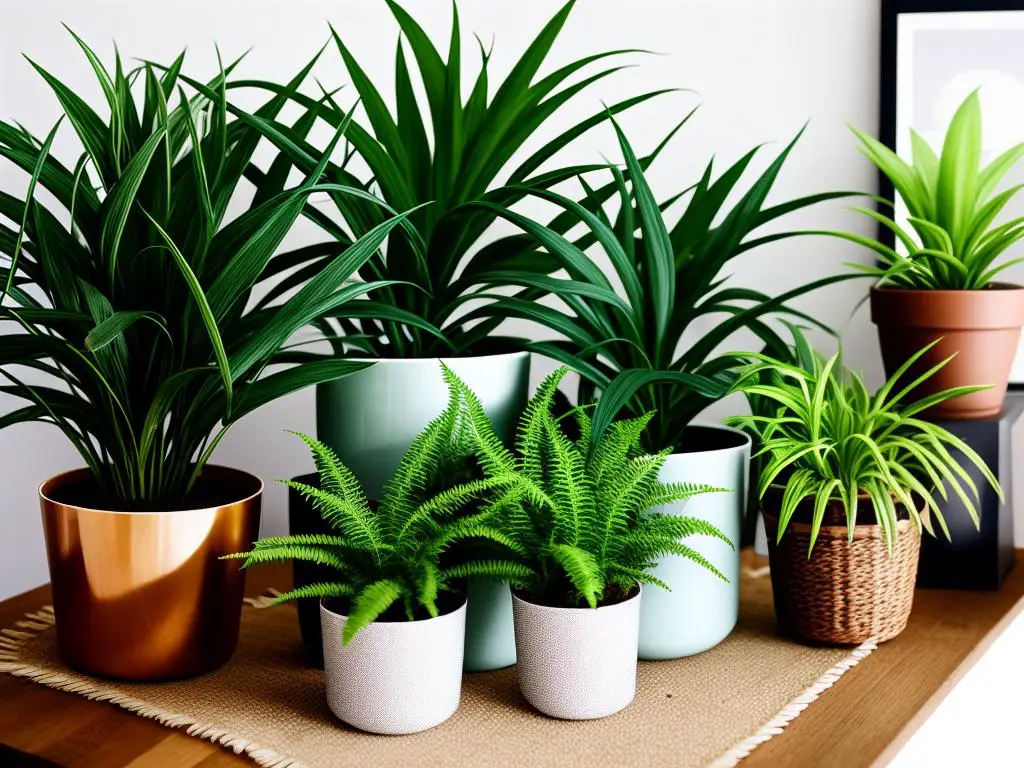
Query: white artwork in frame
point(940, 58)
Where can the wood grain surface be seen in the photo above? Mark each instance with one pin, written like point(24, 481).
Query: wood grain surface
point(862, 721)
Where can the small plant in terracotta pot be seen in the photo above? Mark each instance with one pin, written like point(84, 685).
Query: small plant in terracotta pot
point(393, 616)
point(848, 482)
point(940, 280)
point(578, 515)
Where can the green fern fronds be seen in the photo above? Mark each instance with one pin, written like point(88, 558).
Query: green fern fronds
point(579, 513)
point(331, 589)
point(391, 555)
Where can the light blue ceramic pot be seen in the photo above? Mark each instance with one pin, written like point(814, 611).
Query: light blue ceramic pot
point(492, 642)
point(371, 417)
point(701, 610)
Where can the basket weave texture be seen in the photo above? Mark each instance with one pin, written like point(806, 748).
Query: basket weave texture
point(846, 592)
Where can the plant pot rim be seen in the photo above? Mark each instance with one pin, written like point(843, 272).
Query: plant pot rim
point(45, 491)
point(463, 600)
point(994, 286)
point(744, 438)
point(565, 610)
point(869, 529)
point(519, 353)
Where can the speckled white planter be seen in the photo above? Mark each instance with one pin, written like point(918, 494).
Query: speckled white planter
point(394, 677)
point(577, 663)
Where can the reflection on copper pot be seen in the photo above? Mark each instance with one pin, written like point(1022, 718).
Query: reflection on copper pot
point(143, 595)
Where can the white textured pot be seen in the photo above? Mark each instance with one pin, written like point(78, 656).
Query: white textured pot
point(372, 416)
point(394, 677)
point(701, 610)
point(577, 663)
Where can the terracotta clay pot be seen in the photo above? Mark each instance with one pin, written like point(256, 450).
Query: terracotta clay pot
point(982, 328)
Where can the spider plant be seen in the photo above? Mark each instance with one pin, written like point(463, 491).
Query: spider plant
point(577, 512)
point(453, 149)
point(628, 343)
point(388, 557)
point(127, 290)
point(953, 243)
point(826, 438)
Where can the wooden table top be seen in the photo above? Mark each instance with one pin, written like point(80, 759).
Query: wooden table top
point(863, 720)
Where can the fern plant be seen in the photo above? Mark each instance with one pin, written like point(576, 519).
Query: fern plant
point(388, 557)
point(146, 314)
point(826, 438)
point(953, 242)
point(578, 515)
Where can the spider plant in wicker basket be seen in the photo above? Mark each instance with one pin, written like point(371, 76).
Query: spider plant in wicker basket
point(580, 513)
point(862, 476)
point(443, 154)
point(128, 290)
point(828, 439)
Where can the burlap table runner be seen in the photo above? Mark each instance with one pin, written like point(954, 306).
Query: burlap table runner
point(711, 709)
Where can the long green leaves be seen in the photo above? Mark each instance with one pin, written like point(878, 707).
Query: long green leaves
point(952, 204)
point(830, 442)
point(444, 155)
point(138, 302)
point(631, 348)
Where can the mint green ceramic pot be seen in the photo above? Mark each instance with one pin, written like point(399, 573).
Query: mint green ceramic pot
point(701, 610)
point(371, 417)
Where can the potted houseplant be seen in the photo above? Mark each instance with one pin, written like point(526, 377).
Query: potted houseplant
point(392, 614)
point(126, 297)
point(849, 481)
point(441, 155)
point(940, 279)
point(579, 516)
point(628, 348)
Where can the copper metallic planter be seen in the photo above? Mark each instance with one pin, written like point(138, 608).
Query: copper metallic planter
point(142, 595)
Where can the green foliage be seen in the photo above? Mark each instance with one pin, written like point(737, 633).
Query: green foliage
point(580, 512)
point(825, 437)
point(953, 242)
point(391, 554)
point(627, 340)
point(443, 155)
point(129, 291)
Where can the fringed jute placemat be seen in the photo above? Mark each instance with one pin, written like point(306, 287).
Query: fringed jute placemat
point(709, 710)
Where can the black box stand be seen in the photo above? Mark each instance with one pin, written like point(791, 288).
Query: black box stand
point(977, 559)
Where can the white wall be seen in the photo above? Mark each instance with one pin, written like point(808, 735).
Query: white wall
point(762, 68)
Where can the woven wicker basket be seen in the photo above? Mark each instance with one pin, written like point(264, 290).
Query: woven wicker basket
point(845, 593)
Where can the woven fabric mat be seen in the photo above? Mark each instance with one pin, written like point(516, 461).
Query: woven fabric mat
point(708, 710)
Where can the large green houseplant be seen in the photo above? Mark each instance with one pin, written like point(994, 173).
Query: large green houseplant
point(849, 480)
point(938, 269)
point(390, 593)
point(628, 345)
point(463, 142)
point(578, 514)
point(459, 144)
point(130, 326)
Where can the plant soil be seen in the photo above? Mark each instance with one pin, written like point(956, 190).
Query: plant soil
point(214, 488)
point(613, 595)
point(698, 439)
